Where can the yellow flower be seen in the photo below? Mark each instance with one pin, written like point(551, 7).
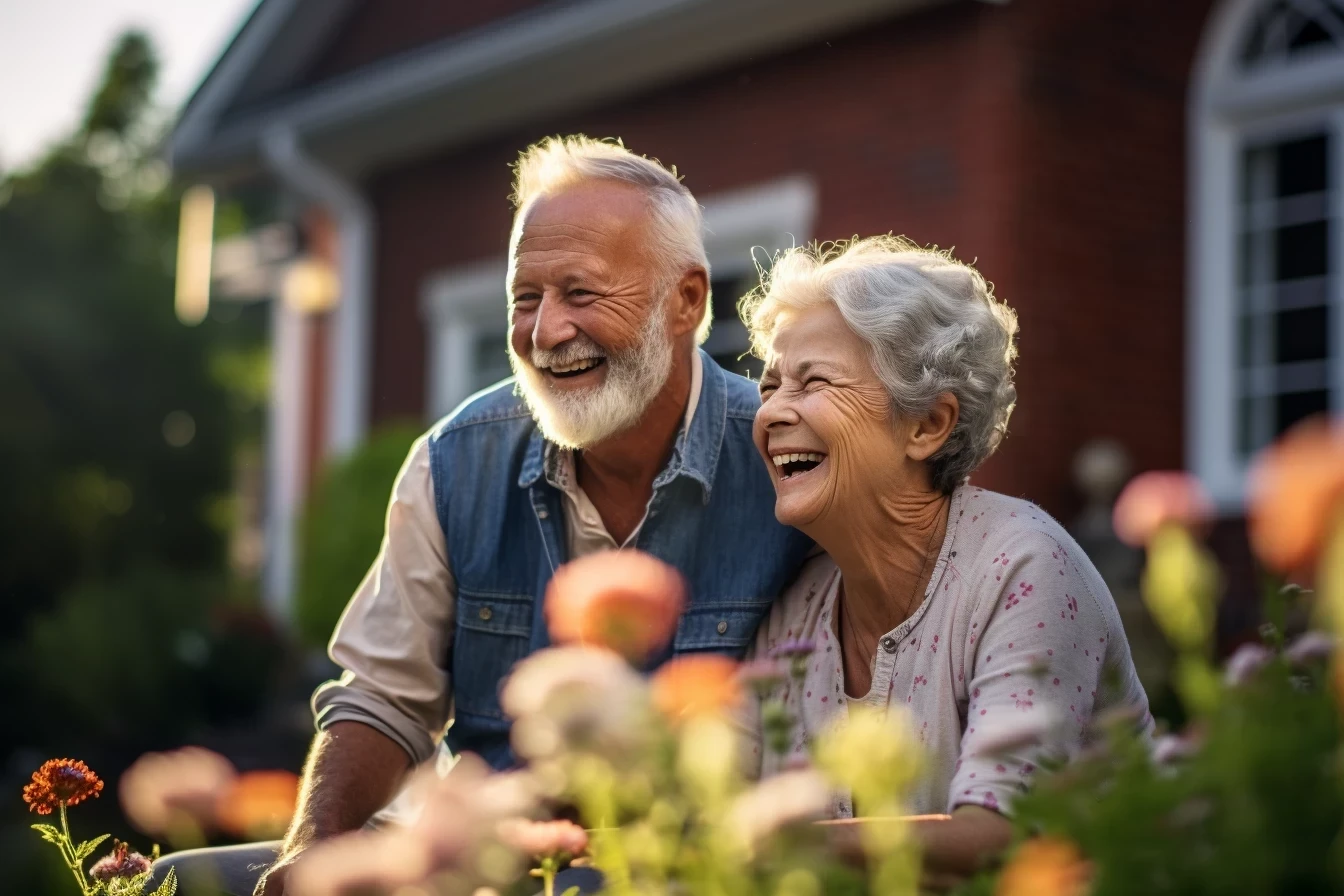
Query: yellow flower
point(1046, 866)
point(874, 754)
point(1179, 585)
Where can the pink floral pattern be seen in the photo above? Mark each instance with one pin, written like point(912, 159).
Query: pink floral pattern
point(991, 661)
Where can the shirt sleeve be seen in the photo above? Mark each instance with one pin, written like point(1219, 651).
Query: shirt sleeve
point(394, 636)
point(1038, 664)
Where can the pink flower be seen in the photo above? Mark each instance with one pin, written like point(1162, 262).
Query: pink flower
point(542, 839)
point(1157, 498)
point(119, 863)
point(626, 601)
point(1309, 648)
point(1245, 662)
point(164, 792)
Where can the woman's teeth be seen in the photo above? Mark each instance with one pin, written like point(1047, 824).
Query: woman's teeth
point(790, 465)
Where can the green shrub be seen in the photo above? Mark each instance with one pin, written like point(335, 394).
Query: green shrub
point(342, 528)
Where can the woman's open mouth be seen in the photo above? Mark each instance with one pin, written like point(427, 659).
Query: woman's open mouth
point(791, 466)
point(575, 368)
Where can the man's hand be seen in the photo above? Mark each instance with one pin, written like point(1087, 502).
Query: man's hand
point(353, 770)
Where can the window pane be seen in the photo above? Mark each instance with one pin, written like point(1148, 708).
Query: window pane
point(492, 360)
point(1302, 250)
point(1301, 335)
point(1300, 166)
point(1295, 406)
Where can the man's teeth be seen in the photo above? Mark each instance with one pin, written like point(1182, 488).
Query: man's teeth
point(576, 366)
point(782, 459)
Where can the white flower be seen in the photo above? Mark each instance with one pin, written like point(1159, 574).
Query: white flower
point(783, 799)
point(1310, 647)
point(1245, 662)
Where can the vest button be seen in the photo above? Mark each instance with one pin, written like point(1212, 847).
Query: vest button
point(722, 626)
point(889, 644)
point(543, 513)
point(485, 613)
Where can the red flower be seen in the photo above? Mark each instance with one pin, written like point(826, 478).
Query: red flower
point(120, 862)
point(60, 782)
point(626, 601)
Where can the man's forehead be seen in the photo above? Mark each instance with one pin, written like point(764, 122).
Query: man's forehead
point(602, 208)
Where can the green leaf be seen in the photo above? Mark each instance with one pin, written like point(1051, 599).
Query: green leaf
point(49, 833)
point(85, 849)
point(169, 885)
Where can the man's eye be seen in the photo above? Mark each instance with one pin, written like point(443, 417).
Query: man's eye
point(527, 298)
point(580, 292)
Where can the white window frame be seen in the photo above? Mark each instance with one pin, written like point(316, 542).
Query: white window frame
point(1229, 108)
point(458, 305)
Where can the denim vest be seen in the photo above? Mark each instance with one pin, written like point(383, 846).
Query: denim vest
point(711, 516)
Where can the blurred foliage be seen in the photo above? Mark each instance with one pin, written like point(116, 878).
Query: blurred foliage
point(119, 429)
point(342, 528)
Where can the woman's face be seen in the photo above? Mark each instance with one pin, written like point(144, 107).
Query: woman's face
point(825, 427)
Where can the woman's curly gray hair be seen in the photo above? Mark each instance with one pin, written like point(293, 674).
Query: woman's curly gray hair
point(931, 323)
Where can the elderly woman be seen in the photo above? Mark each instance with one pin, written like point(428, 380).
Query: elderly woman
point(888, 380)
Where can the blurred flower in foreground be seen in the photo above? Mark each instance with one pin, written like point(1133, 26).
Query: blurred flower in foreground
point(167, 794)
point(1179, 584)
point(875, 755)
point(696, 684)
point(1310, 647)
point(568, 698)
point(540, 839)
point(119, 863)
point(1245, 661)
point(1156, 499)
point(1170, 748)
point(459, 813)
point(627, 601)
point(60, 782)
point(1296, 491)
point(1045, 866)
point(780, 800)
point(762, 676)
point(259, 805)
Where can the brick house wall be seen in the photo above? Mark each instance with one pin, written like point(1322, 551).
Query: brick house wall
point(1044, 139)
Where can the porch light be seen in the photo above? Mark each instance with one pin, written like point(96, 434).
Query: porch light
point(310, 286)
point(195, 240)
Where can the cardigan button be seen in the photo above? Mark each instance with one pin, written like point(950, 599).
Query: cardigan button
point(722, 626)
point(485, 614)
point(889, 644)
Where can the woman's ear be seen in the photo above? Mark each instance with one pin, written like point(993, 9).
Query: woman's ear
point(933, 431)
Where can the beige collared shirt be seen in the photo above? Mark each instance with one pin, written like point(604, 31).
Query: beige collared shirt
point(393, 638)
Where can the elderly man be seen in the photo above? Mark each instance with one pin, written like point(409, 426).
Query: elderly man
point(618, 432)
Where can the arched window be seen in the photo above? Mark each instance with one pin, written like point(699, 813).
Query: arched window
point(1267, 155)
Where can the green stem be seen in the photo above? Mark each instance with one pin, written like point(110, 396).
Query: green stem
point(548, 877)
point(68, 853)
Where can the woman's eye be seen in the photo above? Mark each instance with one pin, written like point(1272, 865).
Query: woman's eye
point(814, 380)
point(767, 388)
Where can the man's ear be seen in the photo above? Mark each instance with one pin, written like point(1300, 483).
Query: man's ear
point(687, 308)
point(933, 431)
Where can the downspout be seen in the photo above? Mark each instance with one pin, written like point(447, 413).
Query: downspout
point(348, 375)
point(348, 398)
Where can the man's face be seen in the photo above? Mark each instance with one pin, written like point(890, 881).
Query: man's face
point(588, 334)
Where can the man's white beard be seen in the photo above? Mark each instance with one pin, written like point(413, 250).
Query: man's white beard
point(580, 419)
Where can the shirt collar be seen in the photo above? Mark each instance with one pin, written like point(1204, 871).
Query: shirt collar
point(695, 453)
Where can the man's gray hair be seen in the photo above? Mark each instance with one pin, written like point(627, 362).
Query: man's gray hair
point(932, 326)
point(555, 163)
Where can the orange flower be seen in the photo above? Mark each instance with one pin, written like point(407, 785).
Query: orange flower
point(259, 805)
point(701, 683)
point(543, 839)
point(1045, 866)
point(627, 601)
point(1152, 500)
point(60, 782)
point(1296, 490)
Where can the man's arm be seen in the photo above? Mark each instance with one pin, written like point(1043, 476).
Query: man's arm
point(390, 705)
point(351, 773)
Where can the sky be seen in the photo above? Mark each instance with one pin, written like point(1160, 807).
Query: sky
point(52, 53)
